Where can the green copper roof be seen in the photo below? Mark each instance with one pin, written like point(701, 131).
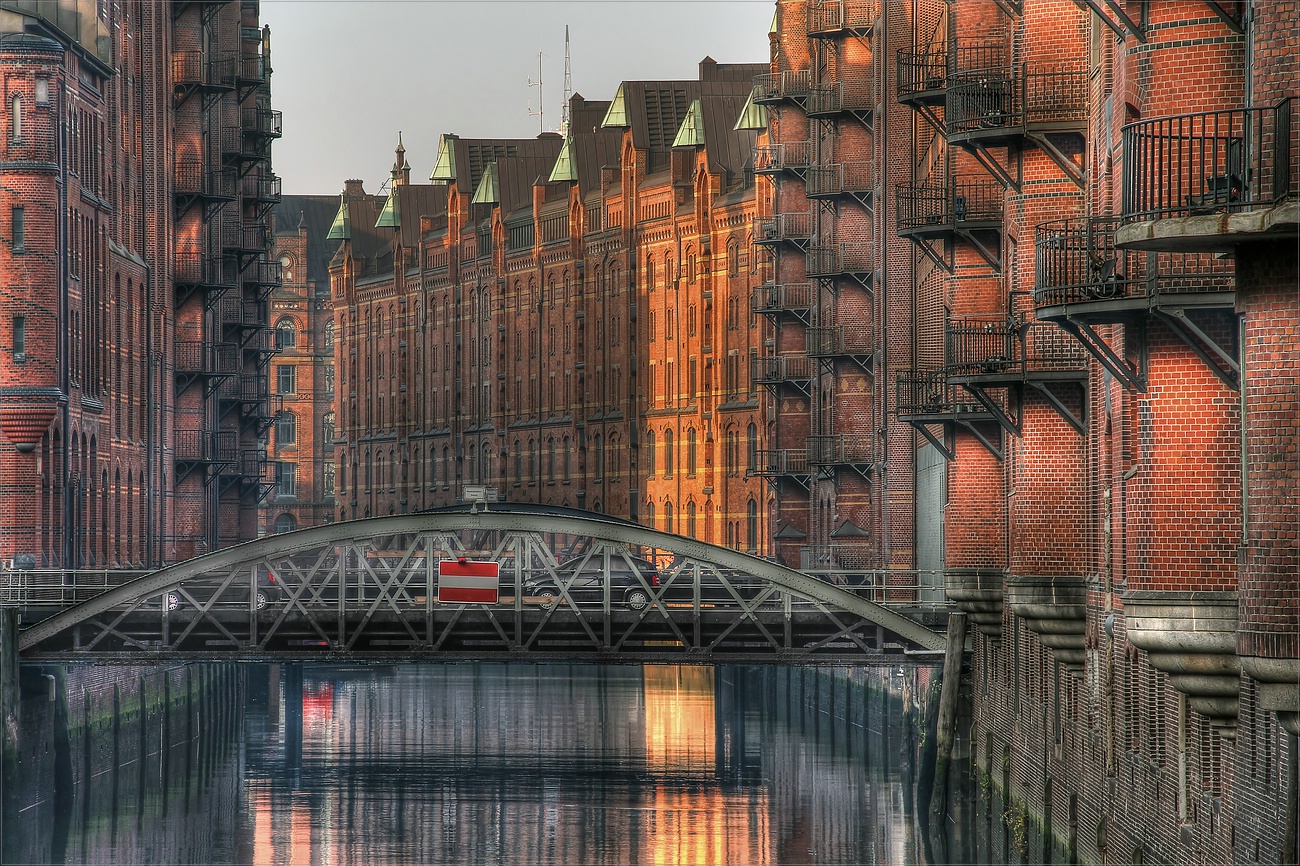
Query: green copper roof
point(566, 167)
point(617, 117)
point(775, 15)
point(339, 229)
point(691, 132)
point(391, 215)
point(487, 192)
point(445, 168)
point(752, 116)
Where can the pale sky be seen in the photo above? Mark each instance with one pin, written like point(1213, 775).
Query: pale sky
point(349, 74)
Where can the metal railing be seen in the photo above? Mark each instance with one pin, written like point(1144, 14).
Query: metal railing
point(840, 450)
point(265, 122)
point(775, 369)
point(193, 265)
point(782, 156)
point(192, 68)
point(1011, 98)
point(208, 359)
point(206, 445)
point(772, 87)
point(262, 188)
point(1076, 261)
point(238, 235)
point(235, 311)
point(977, 346)
point(840, 178)
point(60, 587)
point(829, 342)
point(774, 462)
point(844, 258)
point(1212, 162)
point(922, 71)
point(782, 297)
point(949, 204)
point(836, 97)
point(783, 227)
point(928, 392)
point(194, 177)
point(835, 16)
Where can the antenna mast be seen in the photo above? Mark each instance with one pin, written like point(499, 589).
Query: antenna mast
point(541, 109)
point(568, 85)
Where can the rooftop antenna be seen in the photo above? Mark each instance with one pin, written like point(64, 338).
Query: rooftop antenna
point(541, 109)
point(568, 85)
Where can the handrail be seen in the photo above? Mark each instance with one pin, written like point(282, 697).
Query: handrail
point(949, 202)
point(1210, 162)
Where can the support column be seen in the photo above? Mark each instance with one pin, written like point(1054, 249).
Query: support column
point(9, 723)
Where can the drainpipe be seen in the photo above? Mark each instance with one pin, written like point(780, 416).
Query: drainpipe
point(65, 379)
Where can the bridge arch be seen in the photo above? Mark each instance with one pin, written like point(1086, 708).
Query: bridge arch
point(379, 574)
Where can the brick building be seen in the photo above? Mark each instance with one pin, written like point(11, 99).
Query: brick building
point(1076, 393)
point(562, 319)
point(136, 185)
point(301, 440)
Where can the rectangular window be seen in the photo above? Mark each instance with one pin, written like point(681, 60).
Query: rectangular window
point(286, 479)
point(18, 228)
point(42, 91)
point(287, 379)
point(329, 379)
point(20, 338)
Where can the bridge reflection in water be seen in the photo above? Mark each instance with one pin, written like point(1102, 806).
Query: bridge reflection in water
point(570, 587)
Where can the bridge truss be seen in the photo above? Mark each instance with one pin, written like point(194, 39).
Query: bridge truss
point(570, 588)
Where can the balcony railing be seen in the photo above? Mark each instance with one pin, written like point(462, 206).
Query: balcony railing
point(262, 188)
point(948, 205)
point(194, 266)
point(774, 463)
point(791, 227)
point(263, 122)
point(840, 450)
point(206, 445)
point(248, 390)
point(195, 69)
point(922, 72)
point(206, 359)
point(1007, 346)
point(846, 258)
point(1214, 162)
point(838, 340)
point(841, 178)
point(778, 369)
point(839, 97)
point(1076, 261)
point(928, 393)
point(830, 17)
point(773, 87)
point(783, 297)
point(1015, 98)
point(254, 68)
point(238, 147)
point(241, 313)
point(240, 236)
point(783, 156)
point(195, 178)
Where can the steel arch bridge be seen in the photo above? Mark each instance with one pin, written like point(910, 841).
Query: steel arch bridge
point(570, 587)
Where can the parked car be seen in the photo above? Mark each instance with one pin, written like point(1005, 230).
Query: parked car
point(236, 594)
point(585, 578)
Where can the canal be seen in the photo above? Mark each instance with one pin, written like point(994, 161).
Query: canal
point(488, 763)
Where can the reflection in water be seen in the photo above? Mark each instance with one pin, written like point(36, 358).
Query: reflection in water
point(508, 764)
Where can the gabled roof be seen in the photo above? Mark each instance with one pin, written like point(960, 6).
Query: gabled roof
point(313, 213)
point(462, 160)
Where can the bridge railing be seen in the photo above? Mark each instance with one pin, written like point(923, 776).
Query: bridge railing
point(59, 587)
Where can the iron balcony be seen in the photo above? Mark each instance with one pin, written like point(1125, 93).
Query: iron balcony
point(839, 341)
point(773, 87)
point(1216, 162)
point(847, 96)
point(206, 446)
point(781, 462)
point(997, 348)
point(792, 156)
point(852, 179)
point(923, 76)
point(829, 18)
point(840, 450)
point(776, 370)
point(796, 228)
point(196, 181)
point(942, 206)
point(833, 260)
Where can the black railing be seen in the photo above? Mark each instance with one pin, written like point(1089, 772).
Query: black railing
point(782, 297)
point(783, 227)
point(195, 178)
point(1076, 261)
point(206, 445)
point(840, 178)
point(775, 369)
point(263, 121)
point(775, 86)
point(928, 392)
point(830, 342)
point(781, 461)
point(243, 236)
point(773, 158)
point(949, 204)
point(207, 359)
point(1006, 345)
point(265, 188)
point(196, 266)
point(836, 97)
point(1214, 162)
point(1009, 98)
point(835, 16)
point(248, 314)
point(922, 71)
point(840, 449)
point(194, 69)
point(845, 258)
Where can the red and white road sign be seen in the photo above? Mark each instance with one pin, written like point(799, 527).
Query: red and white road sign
point(465, 582)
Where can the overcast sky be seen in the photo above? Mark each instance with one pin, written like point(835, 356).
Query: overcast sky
point(349, 74)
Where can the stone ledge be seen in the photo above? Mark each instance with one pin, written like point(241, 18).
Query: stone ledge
point(1212, 232)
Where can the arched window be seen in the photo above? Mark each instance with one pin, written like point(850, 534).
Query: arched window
point(286, 333)
point(668, 452)
point(650, 515)
point(691, 452)
point(733, 258)
point(16, 116)
point(650, 452)
point(668, 515)
point(550, 458)
point(328, 336)
point(751, 443)
point(286, 429)
point(649, 277)
point(519, 462)
point(327, 428)
point(370, 470)
point(379, 471)
point(533, 464)
point(567, 469)
point(285, 523)
point(600, 456)
point(690, 518)
point(751, 534)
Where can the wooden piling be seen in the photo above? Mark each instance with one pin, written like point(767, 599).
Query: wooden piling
point(946, 728)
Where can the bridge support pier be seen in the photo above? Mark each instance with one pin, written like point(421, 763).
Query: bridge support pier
point(947, 725)
point(293, 716)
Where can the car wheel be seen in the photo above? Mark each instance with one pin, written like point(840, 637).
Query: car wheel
point(261, 599)
point(548, 595)
point(637, 599)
